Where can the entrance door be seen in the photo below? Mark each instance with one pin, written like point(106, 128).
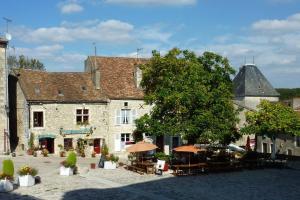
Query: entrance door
point(97, 146)
point(47, 143)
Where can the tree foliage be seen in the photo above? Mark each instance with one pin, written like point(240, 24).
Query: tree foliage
point(24, 63)
point(288, 93)
point(272, 119)
point(190, 96)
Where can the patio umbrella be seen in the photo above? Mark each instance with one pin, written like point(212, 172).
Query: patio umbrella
point(189, 149)
point(234, 147)
point(141, 147)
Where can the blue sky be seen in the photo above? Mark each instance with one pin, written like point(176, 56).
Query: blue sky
point(61, 33)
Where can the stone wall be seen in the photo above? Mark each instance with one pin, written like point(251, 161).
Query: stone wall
point(3, 116)
point(116, 129)
point(63, 116)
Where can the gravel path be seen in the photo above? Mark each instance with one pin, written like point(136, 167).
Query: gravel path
point(273, 184)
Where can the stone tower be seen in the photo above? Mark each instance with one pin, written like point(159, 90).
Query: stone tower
point(4, 136)
point(251, 86)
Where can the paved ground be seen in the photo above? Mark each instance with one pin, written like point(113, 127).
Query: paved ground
point(122, 184)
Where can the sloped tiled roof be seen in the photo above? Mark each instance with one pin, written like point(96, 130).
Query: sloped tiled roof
point(251, 82)
point(117, 76)
point(43, 86)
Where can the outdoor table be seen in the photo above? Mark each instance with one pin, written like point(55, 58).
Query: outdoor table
point(182, 167)
point(147, 166)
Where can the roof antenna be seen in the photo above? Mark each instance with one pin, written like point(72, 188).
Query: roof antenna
point(95, 48)
point(137, 52)
point(7, 21)
point(253, 60)
point(245, 60)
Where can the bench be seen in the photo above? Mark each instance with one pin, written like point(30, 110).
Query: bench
point(135, 169)
point(189, 169)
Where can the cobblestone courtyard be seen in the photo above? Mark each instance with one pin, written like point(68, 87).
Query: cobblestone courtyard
point(272, 184)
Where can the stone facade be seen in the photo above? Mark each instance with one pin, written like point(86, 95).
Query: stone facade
point(4, 144)
point(118, 128)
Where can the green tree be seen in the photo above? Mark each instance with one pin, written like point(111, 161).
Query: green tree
point(191, 96)
point(272, 119)
point(24, 63)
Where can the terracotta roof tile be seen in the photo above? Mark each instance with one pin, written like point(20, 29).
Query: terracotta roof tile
point(117, 76)
point(58, 86)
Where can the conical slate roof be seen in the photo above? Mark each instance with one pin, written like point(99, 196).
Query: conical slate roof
point(251, 82)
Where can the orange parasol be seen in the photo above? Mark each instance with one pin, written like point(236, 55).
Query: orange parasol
point(141, 146)
point(188, 148)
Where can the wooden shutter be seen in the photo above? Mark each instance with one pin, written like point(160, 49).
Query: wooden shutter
point(118, 117)
point(117, 142)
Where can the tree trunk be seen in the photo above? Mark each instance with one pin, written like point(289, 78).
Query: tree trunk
point(273, 153)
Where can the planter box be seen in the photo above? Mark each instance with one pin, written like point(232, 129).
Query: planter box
point(110, 165)
point(26, 181)
point(6, 186)
point(66, 171)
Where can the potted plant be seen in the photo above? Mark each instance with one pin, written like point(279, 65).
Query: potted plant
point(45, 152)
point(61, 150)
point(30, 149)
point(7, 176)
point(164, 157)
point(26, 176)
point(111, 162)
point(68, 165)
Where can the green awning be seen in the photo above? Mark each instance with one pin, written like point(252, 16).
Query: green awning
point(47, 135)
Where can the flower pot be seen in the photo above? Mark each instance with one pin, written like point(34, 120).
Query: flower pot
point(110, 165)
point(166, 167)
point(6, 186)
point(93, 165)
point(66, 171)
point(26, 181)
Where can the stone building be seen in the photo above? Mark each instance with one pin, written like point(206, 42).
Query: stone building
point(250, 87)
point(95, 106)
point(4, 134)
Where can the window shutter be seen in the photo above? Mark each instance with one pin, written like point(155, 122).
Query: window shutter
point(117, 142)
point(134, 116)
point(118, 116)
point(128, 112)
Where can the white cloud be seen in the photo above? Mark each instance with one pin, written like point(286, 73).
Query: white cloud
point(292, 23)
point(113, 31)
point(153, 2)
point(110, 32)
point(70, 7)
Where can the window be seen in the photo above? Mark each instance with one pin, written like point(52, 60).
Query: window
point(271, 147)
point(38, 119)
point(125, 137)
point(82, 116)
point(125, 116)
point(68, 144)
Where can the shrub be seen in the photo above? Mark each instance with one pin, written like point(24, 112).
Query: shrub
point(162, 156)
point(104, 150)
point(26, 170)
point(71, 160)
point(8, 167)
point(112, 158)
point(7, 170)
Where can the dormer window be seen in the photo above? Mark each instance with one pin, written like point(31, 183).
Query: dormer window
point(37, 90)
point(60, 93)
point(83, 88)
